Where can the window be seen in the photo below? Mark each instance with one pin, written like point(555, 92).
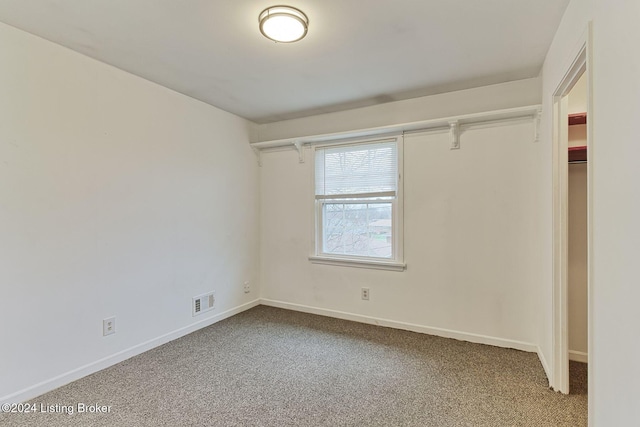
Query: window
point(358, 204)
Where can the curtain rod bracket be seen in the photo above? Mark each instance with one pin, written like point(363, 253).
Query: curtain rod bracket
point(258, 153)
point(454, 133)
point(536, 125)
point(300, 149)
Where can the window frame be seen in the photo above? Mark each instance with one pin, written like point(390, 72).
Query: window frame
point(396, 262)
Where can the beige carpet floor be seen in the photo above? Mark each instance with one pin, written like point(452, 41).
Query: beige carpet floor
point(273, 367)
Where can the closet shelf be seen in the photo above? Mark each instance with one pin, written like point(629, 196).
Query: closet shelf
point(577, 119)
point(577, 154)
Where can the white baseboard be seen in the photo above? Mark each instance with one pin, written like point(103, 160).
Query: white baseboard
point(578, 356)
point(440, 332)
point(60, 380)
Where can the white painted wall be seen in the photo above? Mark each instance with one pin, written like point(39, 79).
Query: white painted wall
point(474, 259)
point(615, 157)
point(572, 30)
point(518, 93)
point(118, 197)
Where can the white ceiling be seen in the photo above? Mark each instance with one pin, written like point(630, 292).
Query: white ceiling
point(357, 52)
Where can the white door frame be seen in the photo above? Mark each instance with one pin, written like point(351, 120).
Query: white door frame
point(560, 334)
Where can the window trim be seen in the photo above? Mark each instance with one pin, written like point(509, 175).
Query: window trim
point(358, 263)
point(396, 263)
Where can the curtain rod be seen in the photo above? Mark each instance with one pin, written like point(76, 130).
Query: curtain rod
point(454, 122)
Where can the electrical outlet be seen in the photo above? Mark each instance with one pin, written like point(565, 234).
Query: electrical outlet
point(109, 326)
point(247, 287)
point(365, 293)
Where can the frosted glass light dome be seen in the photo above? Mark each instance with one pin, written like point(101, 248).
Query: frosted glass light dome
point(283, 24)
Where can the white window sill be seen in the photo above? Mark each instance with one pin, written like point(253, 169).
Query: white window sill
point(358, 263)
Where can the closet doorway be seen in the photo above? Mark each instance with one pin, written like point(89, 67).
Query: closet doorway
point(571, 306)
point(577, 257)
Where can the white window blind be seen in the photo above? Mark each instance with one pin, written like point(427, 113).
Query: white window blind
point(357, 171)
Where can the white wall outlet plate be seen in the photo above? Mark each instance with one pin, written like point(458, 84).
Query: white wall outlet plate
point(247, 287)
point(109, 326)
point(365, 293)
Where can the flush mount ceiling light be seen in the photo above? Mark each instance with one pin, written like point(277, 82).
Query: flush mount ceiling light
point(283, 24)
